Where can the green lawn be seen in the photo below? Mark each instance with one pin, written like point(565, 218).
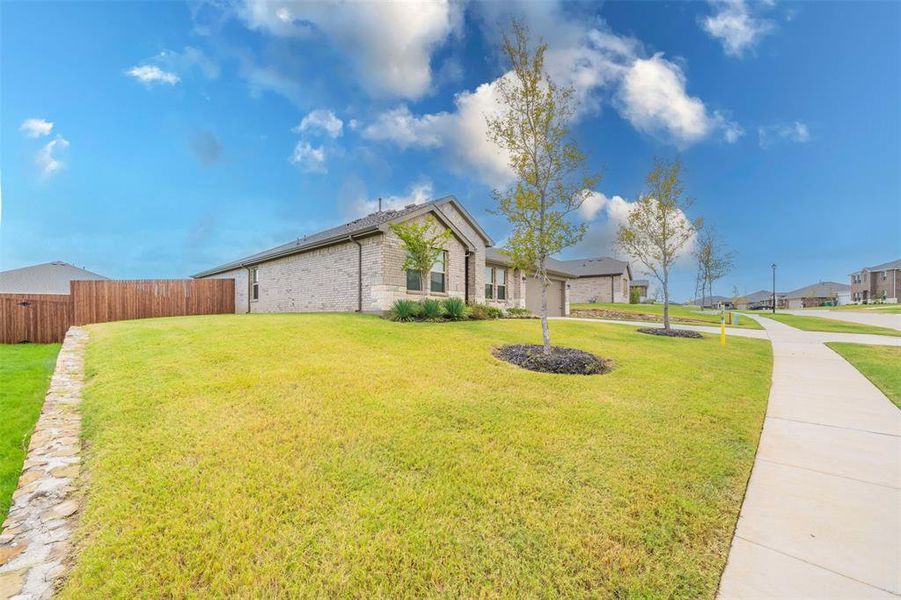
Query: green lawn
point(806, 323)
point(679, 313)
point(864, 308)
point(880, 364)
point(348, 456)
point(25, 371)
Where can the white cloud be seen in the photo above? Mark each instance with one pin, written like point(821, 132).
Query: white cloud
point(653, 98)
point(735, 26)
point(36, 127)
point(46, 158)
point(321, 120)
point(795, 132)
point(390, 43)
point(309, 158)
point(417, 193)
point(150, 74)
point(605, 215)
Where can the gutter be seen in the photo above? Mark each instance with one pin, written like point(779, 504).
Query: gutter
point(359, 272)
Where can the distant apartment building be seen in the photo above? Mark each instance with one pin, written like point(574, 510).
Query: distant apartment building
point(876, 284)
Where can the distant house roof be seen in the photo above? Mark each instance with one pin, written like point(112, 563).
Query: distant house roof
point(372, 223)
point(639, 283)
point(710, 301)
point(594, 267)
point(894, 264)
point(823, 289)
point(760, 296)
point(47, 278)
point(554, 267)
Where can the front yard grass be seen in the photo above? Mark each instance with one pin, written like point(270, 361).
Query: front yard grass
point(879, 364)
point(806, 323)
point(25, 371)
point(348, 456)
point(679, 313)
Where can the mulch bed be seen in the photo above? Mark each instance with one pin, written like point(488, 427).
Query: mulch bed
point(682, 333)
point(566, 361)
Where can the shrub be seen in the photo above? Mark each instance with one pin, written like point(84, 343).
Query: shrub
point(481, 312)
point(634, 296)
point(405, 310)
point(455, 309)
point(519, 313)
point(432, 309)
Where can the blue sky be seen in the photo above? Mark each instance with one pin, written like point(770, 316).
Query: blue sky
point(158, 139)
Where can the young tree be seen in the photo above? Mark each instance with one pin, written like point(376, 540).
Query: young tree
point(424, 242)
point(714, 260)
point(657, 228)
point(551, 181)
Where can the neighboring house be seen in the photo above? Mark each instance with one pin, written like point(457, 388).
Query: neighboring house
point(358, 267)
point(46, 278)
point(876, 284)
point(712, 302)
point(596, 279)
point(759, 300)
point(818, 294)
point(642, 286)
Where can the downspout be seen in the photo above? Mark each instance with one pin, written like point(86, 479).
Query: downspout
point(249, 288)
point(359, 272)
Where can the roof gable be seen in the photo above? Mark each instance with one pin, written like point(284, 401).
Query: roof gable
point(46, 278)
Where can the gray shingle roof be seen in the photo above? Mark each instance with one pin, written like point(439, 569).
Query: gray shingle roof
point(46, 278)
point(823, 289)
point(760, 296)
point(360, 227)
point(555, 267)
point(894, 264)
point(593, 267)
point(640, 283)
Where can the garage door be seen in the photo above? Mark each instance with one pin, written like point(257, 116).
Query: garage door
point(554, 296)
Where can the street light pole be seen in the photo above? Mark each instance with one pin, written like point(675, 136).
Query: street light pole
point(774, 288)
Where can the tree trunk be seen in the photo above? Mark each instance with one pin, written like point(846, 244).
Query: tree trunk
point(545, 330)
point(424, 284)
point(665, 300)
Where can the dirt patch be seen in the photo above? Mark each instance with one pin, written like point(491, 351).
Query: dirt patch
point(566, 361)
point(681, 333)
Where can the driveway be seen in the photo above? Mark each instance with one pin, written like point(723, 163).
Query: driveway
point(871, 317)
point(821, 514)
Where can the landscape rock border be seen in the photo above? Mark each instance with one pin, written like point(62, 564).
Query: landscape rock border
point(35, 540)
point(680, 333)
point(563, 361)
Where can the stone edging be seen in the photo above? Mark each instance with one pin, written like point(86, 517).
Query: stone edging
point(35, 540)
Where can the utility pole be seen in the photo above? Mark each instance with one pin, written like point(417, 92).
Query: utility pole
point(774, 288)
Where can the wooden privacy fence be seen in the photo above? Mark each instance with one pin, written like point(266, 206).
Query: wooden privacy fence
point(44, 318)
point(38, 318)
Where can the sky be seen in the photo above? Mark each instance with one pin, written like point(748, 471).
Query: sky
point(154, 140)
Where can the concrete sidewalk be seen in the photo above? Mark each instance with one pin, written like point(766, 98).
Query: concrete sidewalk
point(822, 514)
point(872, 317)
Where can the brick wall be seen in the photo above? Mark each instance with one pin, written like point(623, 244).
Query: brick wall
point(477, 270)
point(598, 289)
point(515, 288)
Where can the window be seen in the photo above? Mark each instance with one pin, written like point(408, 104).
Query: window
point(883, 276)
point(255, 284)
point(489, 283)
point(414, 282)
point(438, 276)
point(500, 279)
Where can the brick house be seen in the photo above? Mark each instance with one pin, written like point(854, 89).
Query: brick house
point(876, 284)
point(597, 279)
point(818, 294)
point(358, 267)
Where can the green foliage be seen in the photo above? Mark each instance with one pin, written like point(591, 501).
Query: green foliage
point(455, 309)
point(634, 296)
point(424, 242)
point(519, 313)
point(551, 182)
point(482, 312)
point(405, 310)
point(432, 309)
